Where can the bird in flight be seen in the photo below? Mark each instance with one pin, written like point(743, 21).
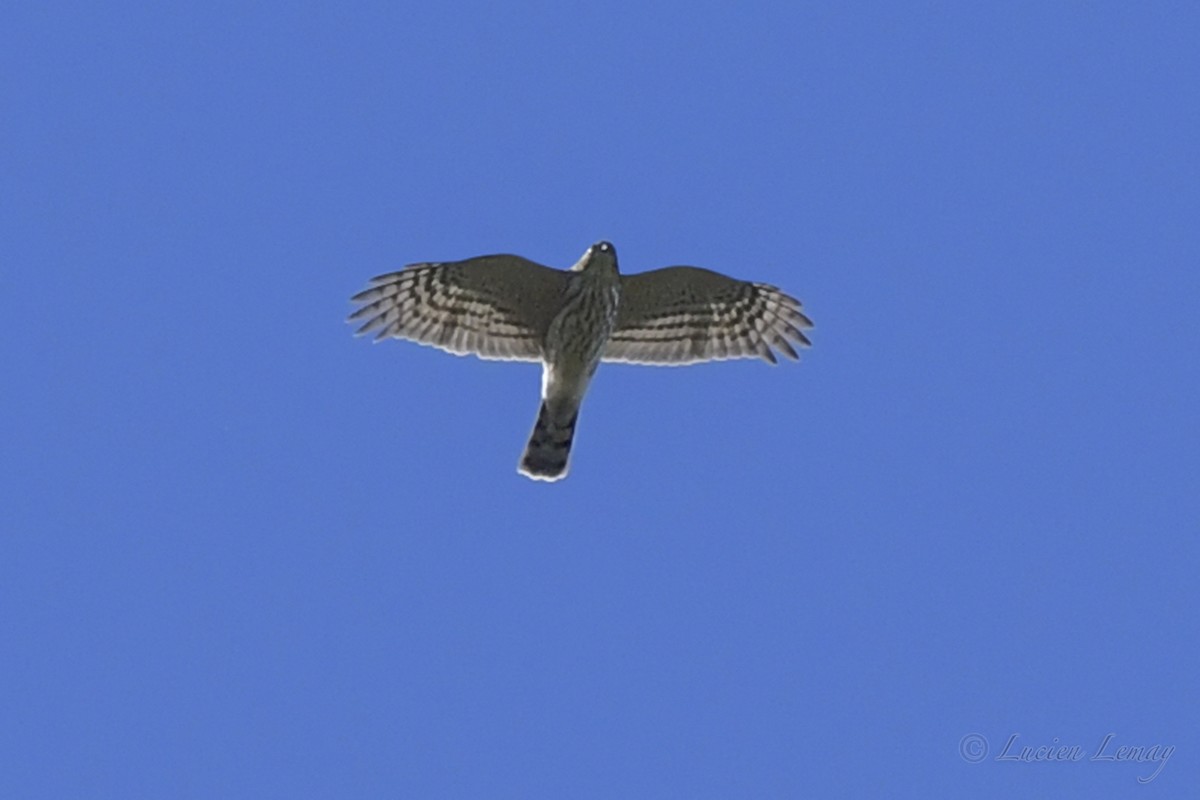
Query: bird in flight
point(510, 308)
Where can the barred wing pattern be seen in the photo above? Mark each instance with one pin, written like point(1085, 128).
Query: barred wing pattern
point(683, 315)
point(495, 307)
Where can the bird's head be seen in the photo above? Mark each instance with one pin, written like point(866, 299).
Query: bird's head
point(601, 255)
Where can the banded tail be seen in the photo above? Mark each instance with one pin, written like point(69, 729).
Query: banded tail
point(549, 447)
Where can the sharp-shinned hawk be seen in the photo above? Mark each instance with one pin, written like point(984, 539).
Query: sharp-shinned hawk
point(507, 307)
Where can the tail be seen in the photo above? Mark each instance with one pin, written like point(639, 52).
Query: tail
point(549, 446)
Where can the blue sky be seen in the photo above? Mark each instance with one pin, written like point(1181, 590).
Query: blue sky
point(245, 554)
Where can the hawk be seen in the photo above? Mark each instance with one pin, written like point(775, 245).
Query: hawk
point(508, 307)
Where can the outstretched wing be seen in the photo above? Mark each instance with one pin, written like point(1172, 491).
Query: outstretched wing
point(682, 315)
point(495, 307)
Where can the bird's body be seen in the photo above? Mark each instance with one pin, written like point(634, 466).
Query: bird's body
point(573, 345)
point(507, 307)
